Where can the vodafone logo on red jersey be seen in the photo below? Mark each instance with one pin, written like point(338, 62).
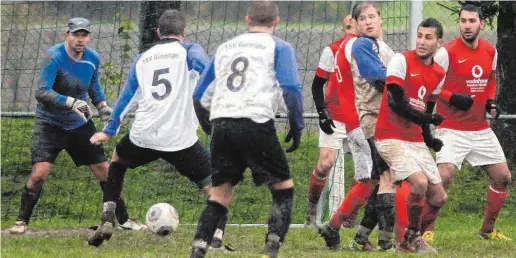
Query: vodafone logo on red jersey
point(477, 84)
point(477, 71)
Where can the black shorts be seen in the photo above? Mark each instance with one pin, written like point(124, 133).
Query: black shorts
point(379, 165)
point(193, 162)
point(239, 143)
point(48, 141)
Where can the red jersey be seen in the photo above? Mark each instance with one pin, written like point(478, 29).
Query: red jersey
point(340, 94)
point(468, 71)
point(420, 84)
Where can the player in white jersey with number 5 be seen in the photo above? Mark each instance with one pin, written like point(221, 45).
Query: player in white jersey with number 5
point(161, 82)
point(241, 90)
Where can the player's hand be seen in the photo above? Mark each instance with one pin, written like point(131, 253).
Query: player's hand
point(325, 121)
point(461, 101)
point(104, 111)
point(437, 119)
point(430, 141)
point(99, 138)
point(434, 144)
point(80, 107)
point(293, 135)
point(492, 109)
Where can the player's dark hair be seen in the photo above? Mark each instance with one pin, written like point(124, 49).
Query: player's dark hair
point(433, 23)
point(360, 7)
point(172, 22)
point(262, 13)
point(472, 8)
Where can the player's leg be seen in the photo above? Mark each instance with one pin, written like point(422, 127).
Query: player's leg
point(361, 240)
point(382, 202)
point(436, 194)
point(488, 153)
point(401, 216)
point(126, 155)
point(457, 145)
point(402, 162)
point(500, 178)
point(329, 144)
point(85, 153)
point(269, 165)
point(228, 167)
point(362, 161)
point(47, 142)
point(364, 165)
point(194, 163)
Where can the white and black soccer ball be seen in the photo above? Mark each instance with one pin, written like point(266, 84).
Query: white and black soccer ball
point(162, 219)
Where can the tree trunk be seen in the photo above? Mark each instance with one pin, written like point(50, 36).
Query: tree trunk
point(507, 78)
point(150, 11)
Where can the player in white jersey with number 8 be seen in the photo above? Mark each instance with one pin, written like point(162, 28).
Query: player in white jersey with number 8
point(161, 82)
point(241, 90)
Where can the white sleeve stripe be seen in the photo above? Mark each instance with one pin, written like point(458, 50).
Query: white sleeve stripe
point(495, 60)
point(397, 66)
point(347, 49)
point(326, 60)
point(442, 58)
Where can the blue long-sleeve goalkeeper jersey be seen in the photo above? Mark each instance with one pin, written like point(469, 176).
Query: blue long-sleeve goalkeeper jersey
point(62, 77)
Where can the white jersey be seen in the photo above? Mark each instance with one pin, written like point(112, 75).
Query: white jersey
point(161, 83)
point(247, 77)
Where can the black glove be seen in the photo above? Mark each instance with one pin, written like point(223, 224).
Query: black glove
point(437, 119)
point(461, 101)
point(490, 105)
point(325, 121)
point(430, 141)
point(296, 135)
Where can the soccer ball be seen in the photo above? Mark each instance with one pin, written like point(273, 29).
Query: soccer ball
point(162, 219)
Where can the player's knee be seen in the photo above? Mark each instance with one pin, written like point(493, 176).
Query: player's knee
point(419, 185)
point(439, 200)
point(325, 163)
point(36, 181)
point(504, 179)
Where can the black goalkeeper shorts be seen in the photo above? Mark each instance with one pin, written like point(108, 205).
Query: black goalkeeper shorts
point(240, 143)
point(48, 141)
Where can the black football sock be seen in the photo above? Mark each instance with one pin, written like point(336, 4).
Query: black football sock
point(29, 199)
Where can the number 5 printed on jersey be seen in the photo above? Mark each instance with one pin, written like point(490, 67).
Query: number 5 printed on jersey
point(238, 67)
point(156, 81)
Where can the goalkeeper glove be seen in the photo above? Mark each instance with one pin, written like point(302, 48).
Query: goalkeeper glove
point(80, 107)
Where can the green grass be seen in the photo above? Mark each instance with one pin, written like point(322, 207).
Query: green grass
point(455, 237)
point(72, 199)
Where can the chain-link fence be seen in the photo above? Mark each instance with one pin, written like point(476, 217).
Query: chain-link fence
point(29, 29)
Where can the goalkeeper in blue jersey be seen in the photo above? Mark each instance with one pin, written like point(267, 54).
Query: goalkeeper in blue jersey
point(70, 74)
point(241, 90)
point(161, 83)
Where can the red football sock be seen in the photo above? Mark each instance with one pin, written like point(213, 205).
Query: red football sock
point(415, 205)
point(356, 198)
point(430, 213)
point(401, 223)
point(317, 182)
point(496, 196)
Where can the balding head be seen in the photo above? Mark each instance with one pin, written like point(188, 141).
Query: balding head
point(349, 25)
